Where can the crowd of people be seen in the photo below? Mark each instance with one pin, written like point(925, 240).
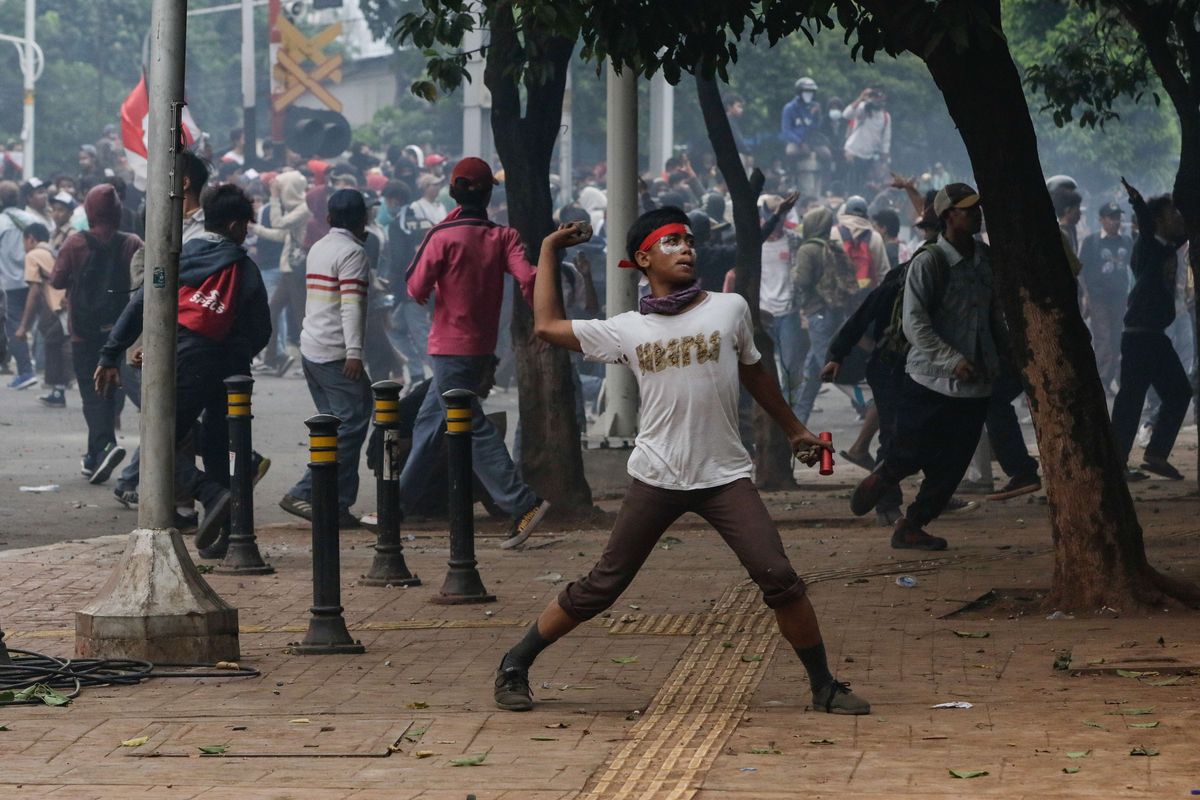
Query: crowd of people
point(395, 264)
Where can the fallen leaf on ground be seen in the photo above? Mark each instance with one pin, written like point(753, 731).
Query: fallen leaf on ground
point(968, 773)
point(558, 725)
point(822, 741)
point(40, 691)
point(418, 705)
point(1171, 681)
point(765, 751)
point(1143, 751)
point(624, 659)
point(1070, 770)
point(299, 721)
point(137, 741)
point(1133, 673)
point(204, 569)
point(470, 761)
point(413, 735)
point(1079, 754)
point(1092, 724)
point(213, 749)
point(227, 665)
point(972, 634)
point(424, 753)
point(749, 659)
point(1153, 724)
point(3, 727)
point(1137, 712)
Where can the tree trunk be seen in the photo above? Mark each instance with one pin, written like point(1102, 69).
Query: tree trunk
point(1100, 556)
point(551, 457)
point(772, 454)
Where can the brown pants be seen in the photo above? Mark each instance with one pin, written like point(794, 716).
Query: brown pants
point(734, 509)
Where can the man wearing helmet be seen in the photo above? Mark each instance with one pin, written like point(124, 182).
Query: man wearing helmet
point(800, 127)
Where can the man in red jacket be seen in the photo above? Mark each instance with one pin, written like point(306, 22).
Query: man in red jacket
point(465, 258)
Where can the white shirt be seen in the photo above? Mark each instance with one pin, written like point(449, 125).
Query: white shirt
point(775, 290)
point(335, 310)
point(871, 136)
point(686, 367)
point(427, 213)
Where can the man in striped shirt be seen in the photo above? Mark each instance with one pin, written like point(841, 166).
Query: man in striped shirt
point(331, 346)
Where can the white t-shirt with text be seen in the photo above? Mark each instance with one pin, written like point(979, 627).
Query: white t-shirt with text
point(686, 367)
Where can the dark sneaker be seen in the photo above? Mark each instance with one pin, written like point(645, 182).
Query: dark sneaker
point(887, 517)
point(126, 497)
point(956, 505)
point(907, 536)
point(186, 523)
point(23, 381)
point(1162, 468)
point(294, 505)
point(55, 398)
point(108, 461)
point(512, 689)
point(261, 465)
point(217, 549)
point(216, 514)
point(868, 493)
point(1135, 475)
point(347, 521)
point(524, 524)
point(87, 466)
point(975, 487)
point(1022, 484)
point(836, 698)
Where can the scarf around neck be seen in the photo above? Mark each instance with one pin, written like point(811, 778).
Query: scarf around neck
point(671, 304)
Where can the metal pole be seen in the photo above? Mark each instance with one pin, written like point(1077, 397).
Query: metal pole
point(662, 122)
point(243, 556)
point(29, 73)
point(249, 100)
point(566, 154)
point(274, 42)
point(327, 631)
point(164, 220)
point(620, 389)
point(463, 584)
point(473, 95)
point(388, 568)
point(155, 606)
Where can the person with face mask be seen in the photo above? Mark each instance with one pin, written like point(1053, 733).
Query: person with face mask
point(802, 128)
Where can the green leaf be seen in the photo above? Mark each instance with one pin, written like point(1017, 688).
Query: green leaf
point(972, 634)
point(214, 749)
point(765, 751)
point(418, 704)
point(1079, 754)
point(40, 691)
point(470, 761)
point(204, 569)
point(414, 734)
point(1093, 724)
point(624, 659)
point(1137, 712)
point(1171, 681)
point(3, 728)
point(822, 741)
point(968, 773)
point(1070, 770)
point(8, 696)
point(751, 658)
point(135, 742)
point(1143, 751)
point(1153, 724)
point(1132, 673)
point(727, 645)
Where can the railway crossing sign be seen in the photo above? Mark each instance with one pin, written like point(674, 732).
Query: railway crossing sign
point(291, 73)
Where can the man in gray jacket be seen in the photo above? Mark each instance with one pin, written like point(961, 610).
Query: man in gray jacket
point(950, 320)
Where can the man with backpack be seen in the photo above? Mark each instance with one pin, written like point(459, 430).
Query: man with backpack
point(223, 321)
point(825, 287)
point(863, 244)
point(93, 266)
point(950, 319)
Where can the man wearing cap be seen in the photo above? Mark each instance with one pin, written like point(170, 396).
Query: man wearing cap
point(950, 320)
point(1105, 259)
point(331, 346)
point(62, 206)
point(465, 259)
point(427, 211)
point(36, 197)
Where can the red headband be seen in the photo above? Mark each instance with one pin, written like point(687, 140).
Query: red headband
point(654, 235)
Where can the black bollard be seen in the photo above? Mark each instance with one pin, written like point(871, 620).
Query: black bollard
point(388, 568)
point(243, 556)
point(463, 584)
point(326, 628)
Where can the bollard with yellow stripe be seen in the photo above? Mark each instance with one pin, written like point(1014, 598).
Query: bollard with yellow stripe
point(389, 567)
point(239, 552)
point(387, 403)
point(458, 411)
point(322, 439)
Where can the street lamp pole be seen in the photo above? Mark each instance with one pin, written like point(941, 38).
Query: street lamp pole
point(29, 70)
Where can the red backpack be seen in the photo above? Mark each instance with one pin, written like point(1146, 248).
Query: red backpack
point(207, 309)
point(859, 250)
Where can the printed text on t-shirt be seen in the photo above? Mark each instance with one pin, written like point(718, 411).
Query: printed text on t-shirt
point(656, 356)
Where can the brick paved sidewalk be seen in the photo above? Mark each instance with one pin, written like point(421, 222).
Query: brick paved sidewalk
point(712, 707)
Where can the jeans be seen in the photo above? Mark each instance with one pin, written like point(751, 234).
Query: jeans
point(1148, 359)
point(99, 412)
point(17, 348)
point(885, 376)
point(273, 353)
point(57, 350)
point(1003, 429)
point(1105, 321)
point(351, 402)
point(409, 333)
point(787, 334)
point(821, 330)
point(936, 435)
point(489, 457)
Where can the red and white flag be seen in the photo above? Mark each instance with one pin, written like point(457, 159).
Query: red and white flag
point(135, 128)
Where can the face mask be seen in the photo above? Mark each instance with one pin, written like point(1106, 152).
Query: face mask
point(807, 96)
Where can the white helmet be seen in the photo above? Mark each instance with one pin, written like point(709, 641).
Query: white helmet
point(806, 84)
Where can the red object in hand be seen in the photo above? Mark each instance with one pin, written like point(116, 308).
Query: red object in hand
point(826, 455)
